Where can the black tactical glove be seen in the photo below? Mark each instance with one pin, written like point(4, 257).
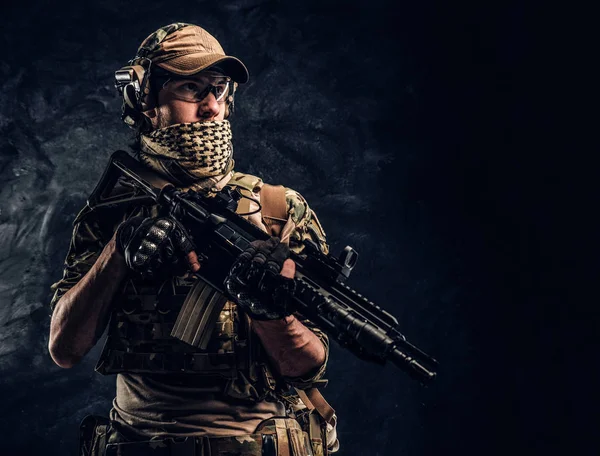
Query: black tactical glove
point(255, 283)
point(154, 247)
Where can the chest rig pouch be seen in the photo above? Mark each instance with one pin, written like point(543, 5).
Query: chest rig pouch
point(226, 354)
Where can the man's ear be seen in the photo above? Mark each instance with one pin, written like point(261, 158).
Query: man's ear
point(230, 101)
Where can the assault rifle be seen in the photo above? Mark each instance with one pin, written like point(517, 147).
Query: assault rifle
point(221, 235)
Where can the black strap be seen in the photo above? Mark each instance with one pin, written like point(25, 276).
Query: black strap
point(189, 446)
point(250, 445)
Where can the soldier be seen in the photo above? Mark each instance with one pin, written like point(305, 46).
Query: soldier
point(130, 266)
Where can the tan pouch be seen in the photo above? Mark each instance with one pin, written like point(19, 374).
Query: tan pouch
point(291, 439)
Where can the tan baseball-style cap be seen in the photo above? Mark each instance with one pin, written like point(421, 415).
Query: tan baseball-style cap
point(187, 49)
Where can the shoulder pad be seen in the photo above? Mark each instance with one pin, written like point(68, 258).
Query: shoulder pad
point(297, 206)
point(306, 221)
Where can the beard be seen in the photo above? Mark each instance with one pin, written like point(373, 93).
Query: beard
point(166, 117)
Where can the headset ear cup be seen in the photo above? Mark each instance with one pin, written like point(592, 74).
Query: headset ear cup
point(133, 85)
point(129, 96)
point(130, 116)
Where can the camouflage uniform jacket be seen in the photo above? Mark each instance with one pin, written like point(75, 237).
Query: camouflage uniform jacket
point(252, 379)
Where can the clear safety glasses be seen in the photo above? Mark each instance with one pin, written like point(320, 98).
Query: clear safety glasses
point(196, 90)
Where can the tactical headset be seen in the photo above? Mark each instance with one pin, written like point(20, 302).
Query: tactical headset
point(139, 95)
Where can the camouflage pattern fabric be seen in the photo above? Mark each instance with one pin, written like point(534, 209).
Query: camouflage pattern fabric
point(247, 445)
point(151, 45)
point(107, 440)
point(306, 223)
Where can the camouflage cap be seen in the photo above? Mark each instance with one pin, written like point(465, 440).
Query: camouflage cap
point(186, 49)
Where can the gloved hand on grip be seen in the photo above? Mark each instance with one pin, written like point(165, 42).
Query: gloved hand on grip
point(255, 282)
point(155, 247)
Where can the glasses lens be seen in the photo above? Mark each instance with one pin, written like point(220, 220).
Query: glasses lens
point(195, 91)
point(220, 90)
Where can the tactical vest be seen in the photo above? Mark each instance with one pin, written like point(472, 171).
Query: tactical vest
point(145, 312)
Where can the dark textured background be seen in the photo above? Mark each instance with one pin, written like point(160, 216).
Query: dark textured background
point(421, 133)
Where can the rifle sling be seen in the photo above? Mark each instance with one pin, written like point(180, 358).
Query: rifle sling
point(314, 400)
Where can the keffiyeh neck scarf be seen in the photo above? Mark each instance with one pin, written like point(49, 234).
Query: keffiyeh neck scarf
point(195, 155)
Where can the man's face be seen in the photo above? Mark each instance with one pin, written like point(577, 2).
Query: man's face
point(178, 100)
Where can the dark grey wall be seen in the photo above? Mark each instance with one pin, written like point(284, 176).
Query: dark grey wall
point(418, 133)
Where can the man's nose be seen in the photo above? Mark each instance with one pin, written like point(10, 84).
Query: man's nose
point(209, 107)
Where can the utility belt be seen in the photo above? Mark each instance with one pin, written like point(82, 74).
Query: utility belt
point(274, 437)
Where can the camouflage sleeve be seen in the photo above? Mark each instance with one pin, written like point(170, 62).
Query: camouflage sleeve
point(87, 242)
point(306, 223)
point(307, 226)
point(91, 232)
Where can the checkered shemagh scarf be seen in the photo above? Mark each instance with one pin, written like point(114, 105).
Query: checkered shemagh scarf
point(189, 152)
